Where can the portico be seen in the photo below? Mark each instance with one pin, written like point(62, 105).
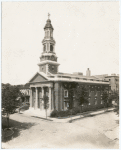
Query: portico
point(37, 92)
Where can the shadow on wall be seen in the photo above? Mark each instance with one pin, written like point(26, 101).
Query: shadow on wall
point(16, 126)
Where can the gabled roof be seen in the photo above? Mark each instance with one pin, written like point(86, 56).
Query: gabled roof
point(41, 74)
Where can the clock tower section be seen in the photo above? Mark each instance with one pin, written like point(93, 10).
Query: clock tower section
point(48, 59)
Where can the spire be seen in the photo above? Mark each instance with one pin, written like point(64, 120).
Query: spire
point(48, 58)
point(48, 16)
point(48, 23)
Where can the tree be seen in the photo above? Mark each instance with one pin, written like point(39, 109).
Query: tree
point(105, 98)
point(71, 94)
point(46, 105)
point(116, 99)
point(70, 87)
point(81, 94)
point(9, 96)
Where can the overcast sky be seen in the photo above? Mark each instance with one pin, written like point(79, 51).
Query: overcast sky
point(86, 35)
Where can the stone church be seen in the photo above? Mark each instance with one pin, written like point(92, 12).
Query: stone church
point(50, 82)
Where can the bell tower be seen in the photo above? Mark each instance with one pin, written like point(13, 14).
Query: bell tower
point(48, 58)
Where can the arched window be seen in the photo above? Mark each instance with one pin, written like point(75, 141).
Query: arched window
point(47, 33)
point(44, 48)
point(53, 68)
point(51, 48)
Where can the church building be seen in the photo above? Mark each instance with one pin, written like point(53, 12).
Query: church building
point(50, 82)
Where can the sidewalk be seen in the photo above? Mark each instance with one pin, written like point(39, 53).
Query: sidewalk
point(81, 116)
point(41, 115)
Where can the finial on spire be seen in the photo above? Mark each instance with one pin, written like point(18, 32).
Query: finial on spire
point(48, 16)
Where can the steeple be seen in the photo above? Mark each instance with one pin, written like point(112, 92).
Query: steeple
point(48, 23)
point(48, 59)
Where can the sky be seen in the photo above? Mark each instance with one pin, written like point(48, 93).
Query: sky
point(86, 35)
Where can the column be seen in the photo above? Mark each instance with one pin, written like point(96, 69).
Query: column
point(52, 105)
point(61, 97)
point(40, 99)
point(49, 47)
point(31, 97)
point(46, 47)
point(64, 106)
point(42, 102)
point(36, 101)
point(50, 98)
point(53, 48)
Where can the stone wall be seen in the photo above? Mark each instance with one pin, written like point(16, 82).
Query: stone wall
point(95, 97)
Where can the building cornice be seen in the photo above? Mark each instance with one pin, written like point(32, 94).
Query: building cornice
point(48, 54)
point(81, 81)
point(48, 62)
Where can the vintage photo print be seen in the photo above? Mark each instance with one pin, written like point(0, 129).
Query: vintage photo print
point(60, 74)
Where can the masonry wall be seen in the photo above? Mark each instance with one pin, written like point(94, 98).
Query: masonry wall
point(56, 89)
point(59, 96)
point(95, 97)
point(42, 68)
point(61, 102)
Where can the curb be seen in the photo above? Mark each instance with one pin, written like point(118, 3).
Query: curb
point(89, 114)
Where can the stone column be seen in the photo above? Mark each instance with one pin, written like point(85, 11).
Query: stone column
point(52, 105)
point(53, 48)
point(64, 106)
point(49, 98)
point(46, 47)
point(61, 97)
point(42, 102)
point(36, 101)
point(31, 97)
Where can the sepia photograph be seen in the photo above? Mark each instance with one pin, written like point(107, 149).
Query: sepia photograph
point(60, 74)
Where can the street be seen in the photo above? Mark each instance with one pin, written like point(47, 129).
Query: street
point(99, 131)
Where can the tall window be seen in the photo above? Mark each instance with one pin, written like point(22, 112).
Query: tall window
point(44, 48)
point(51, 48)
point(47, 33)
point(65, 93)
point(53, 68)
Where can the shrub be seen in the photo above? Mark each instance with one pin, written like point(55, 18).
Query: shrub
point(54, 113)
point(63, 113)
point(74, 112)
point(76, 109)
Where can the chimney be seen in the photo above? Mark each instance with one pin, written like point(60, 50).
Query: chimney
point(88, 72)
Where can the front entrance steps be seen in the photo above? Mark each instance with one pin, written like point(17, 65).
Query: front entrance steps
point(36, 112)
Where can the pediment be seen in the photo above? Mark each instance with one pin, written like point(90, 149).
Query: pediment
point(38, 78)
